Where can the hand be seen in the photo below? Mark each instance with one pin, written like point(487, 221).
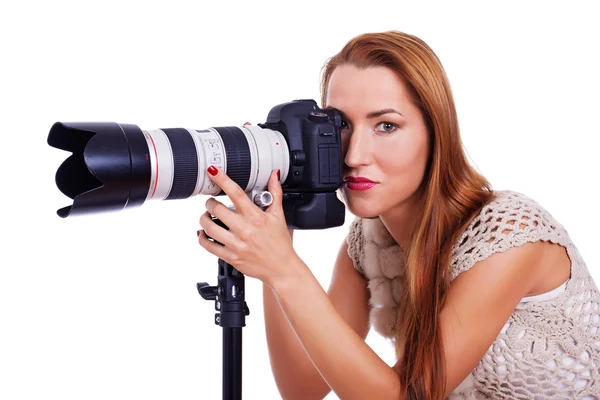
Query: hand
point(257, 243)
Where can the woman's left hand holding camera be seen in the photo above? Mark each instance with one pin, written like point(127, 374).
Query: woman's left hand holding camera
point(257, 243)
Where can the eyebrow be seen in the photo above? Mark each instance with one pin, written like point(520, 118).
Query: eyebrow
point(373, 114)
point(379, 113)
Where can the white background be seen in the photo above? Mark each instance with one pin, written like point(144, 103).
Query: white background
point(106, 306)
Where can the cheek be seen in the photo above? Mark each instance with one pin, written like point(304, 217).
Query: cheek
point(403, 158)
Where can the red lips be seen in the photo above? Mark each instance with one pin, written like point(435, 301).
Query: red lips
point(357, 179)
point(358, 183)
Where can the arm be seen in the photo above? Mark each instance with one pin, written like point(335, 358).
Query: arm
point(354, 371)
point(294, 372)
point(345, 362)
point(480, 301)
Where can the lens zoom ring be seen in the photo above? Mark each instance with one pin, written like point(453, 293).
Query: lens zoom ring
point(185, 163)
point(237, 152)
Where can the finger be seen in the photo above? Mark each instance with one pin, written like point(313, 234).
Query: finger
point(215, 231)
point(222, 212)
point(214, 248)
point(241, 201)
point(274, 186)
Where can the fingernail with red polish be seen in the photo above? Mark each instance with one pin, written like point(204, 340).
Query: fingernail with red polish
point(212, 170)
point(278, 175)
point(198, 233)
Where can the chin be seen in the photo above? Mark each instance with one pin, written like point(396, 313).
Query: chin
point(363, 209)
point(360, 207)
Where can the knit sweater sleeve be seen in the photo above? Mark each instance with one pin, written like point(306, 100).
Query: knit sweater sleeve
point(509, 220)
point(548, 348)
point(356, 245)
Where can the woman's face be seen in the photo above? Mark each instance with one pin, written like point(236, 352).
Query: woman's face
point(384, 140)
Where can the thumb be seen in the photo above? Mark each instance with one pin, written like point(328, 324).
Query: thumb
point(276, 191)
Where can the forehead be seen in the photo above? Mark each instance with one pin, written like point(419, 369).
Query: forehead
point(373, 88)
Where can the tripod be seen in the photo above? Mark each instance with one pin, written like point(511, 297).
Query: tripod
point(229, 296)
point(231, 316)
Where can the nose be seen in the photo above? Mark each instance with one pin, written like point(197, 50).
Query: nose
point(358, 149)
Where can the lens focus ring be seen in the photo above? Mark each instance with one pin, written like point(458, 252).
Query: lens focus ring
point(237, 153)
point(185, 163)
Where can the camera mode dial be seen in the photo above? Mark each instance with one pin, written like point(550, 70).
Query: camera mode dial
point(318, 117)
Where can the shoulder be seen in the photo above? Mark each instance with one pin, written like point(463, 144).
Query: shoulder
point(371, 248)
point(511, 219)
point(356, 244)
point(378, 258)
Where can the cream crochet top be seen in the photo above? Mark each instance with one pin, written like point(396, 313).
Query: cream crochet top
point(550, 346)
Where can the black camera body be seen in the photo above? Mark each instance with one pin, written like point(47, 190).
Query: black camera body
point(116, 166)
point(315, 174)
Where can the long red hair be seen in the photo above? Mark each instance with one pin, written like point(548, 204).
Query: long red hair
point(452, 193)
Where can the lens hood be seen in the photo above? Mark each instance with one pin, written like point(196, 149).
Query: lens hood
point(108, 170)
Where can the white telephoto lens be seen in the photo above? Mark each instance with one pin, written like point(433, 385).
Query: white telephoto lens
point(161, 164)
point(269, 152)
point(254, 153)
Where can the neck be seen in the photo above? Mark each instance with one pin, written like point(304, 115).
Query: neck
point(401, 220)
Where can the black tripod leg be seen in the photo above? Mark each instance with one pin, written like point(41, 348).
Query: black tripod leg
point(232, 363)
point(229, 295)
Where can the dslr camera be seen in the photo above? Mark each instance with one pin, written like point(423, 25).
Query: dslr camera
point(116, 166)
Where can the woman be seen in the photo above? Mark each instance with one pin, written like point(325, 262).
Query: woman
point(482, 292)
